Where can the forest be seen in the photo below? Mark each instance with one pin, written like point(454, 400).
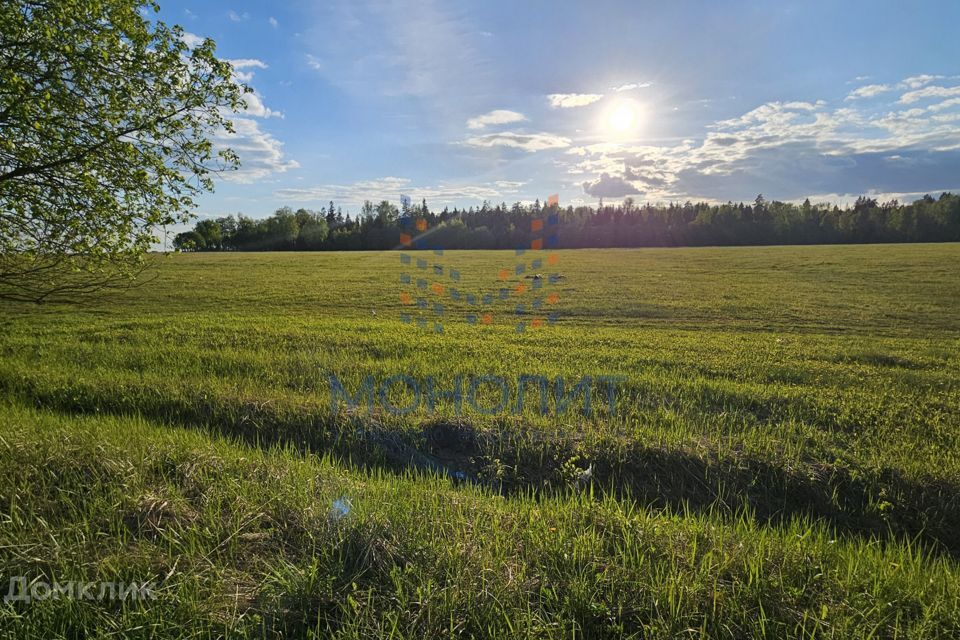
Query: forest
point(380, 226)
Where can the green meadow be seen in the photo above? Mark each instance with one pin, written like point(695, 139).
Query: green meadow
point(781, 458)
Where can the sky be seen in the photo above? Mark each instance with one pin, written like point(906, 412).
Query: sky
point(463, 101)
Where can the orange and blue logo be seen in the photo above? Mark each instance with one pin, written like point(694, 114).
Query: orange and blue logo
point(524, 293)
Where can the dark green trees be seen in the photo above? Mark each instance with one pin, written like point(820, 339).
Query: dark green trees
point(378, 226)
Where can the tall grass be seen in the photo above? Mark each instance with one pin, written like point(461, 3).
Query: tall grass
point(244, 541)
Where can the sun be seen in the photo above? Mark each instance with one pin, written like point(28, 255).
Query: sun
point(622, 117)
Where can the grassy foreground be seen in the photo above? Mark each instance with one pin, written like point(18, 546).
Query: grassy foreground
point(241, 540)
point(781, 461)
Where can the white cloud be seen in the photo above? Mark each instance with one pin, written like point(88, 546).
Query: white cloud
point(246, 63)
point(390, 187)
point(314, 62)
point(869, 91)
point(253, 100)
point(529, 142)
point(497, 116)
point(257, 109)
point(570, 100)
point(929, 92)
point(915, 82)
point(191, 39)
point(631, 86)
point(607, 186)
point(946, 104)
point(237, 17)
point(273, 22)
point(260, 153)
point(804, 106)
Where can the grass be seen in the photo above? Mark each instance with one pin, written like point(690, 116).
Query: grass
point(782, 460)
point(246, 541)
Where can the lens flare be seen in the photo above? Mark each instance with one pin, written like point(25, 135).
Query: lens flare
point(622, 117)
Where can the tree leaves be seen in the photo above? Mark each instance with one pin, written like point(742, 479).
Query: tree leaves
point(105, 127)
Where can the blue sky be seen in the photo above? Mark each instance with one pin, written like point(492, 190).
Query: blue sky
point(458, 102)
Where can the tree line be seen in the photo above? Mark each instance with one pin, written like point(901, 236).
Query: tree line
point(380, 226)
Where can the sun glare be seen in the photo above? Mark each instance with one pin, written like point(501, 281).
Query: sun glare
point(622, 117)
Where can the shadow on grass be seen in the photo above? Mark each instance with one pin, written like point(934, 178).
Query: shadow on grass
point(879, 503)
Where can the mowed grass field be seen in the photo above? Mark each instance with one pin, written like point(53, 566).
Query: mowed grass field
point(781, 460)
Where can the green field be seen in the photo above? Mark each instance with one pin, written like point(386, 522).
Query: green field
point(782, 459)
